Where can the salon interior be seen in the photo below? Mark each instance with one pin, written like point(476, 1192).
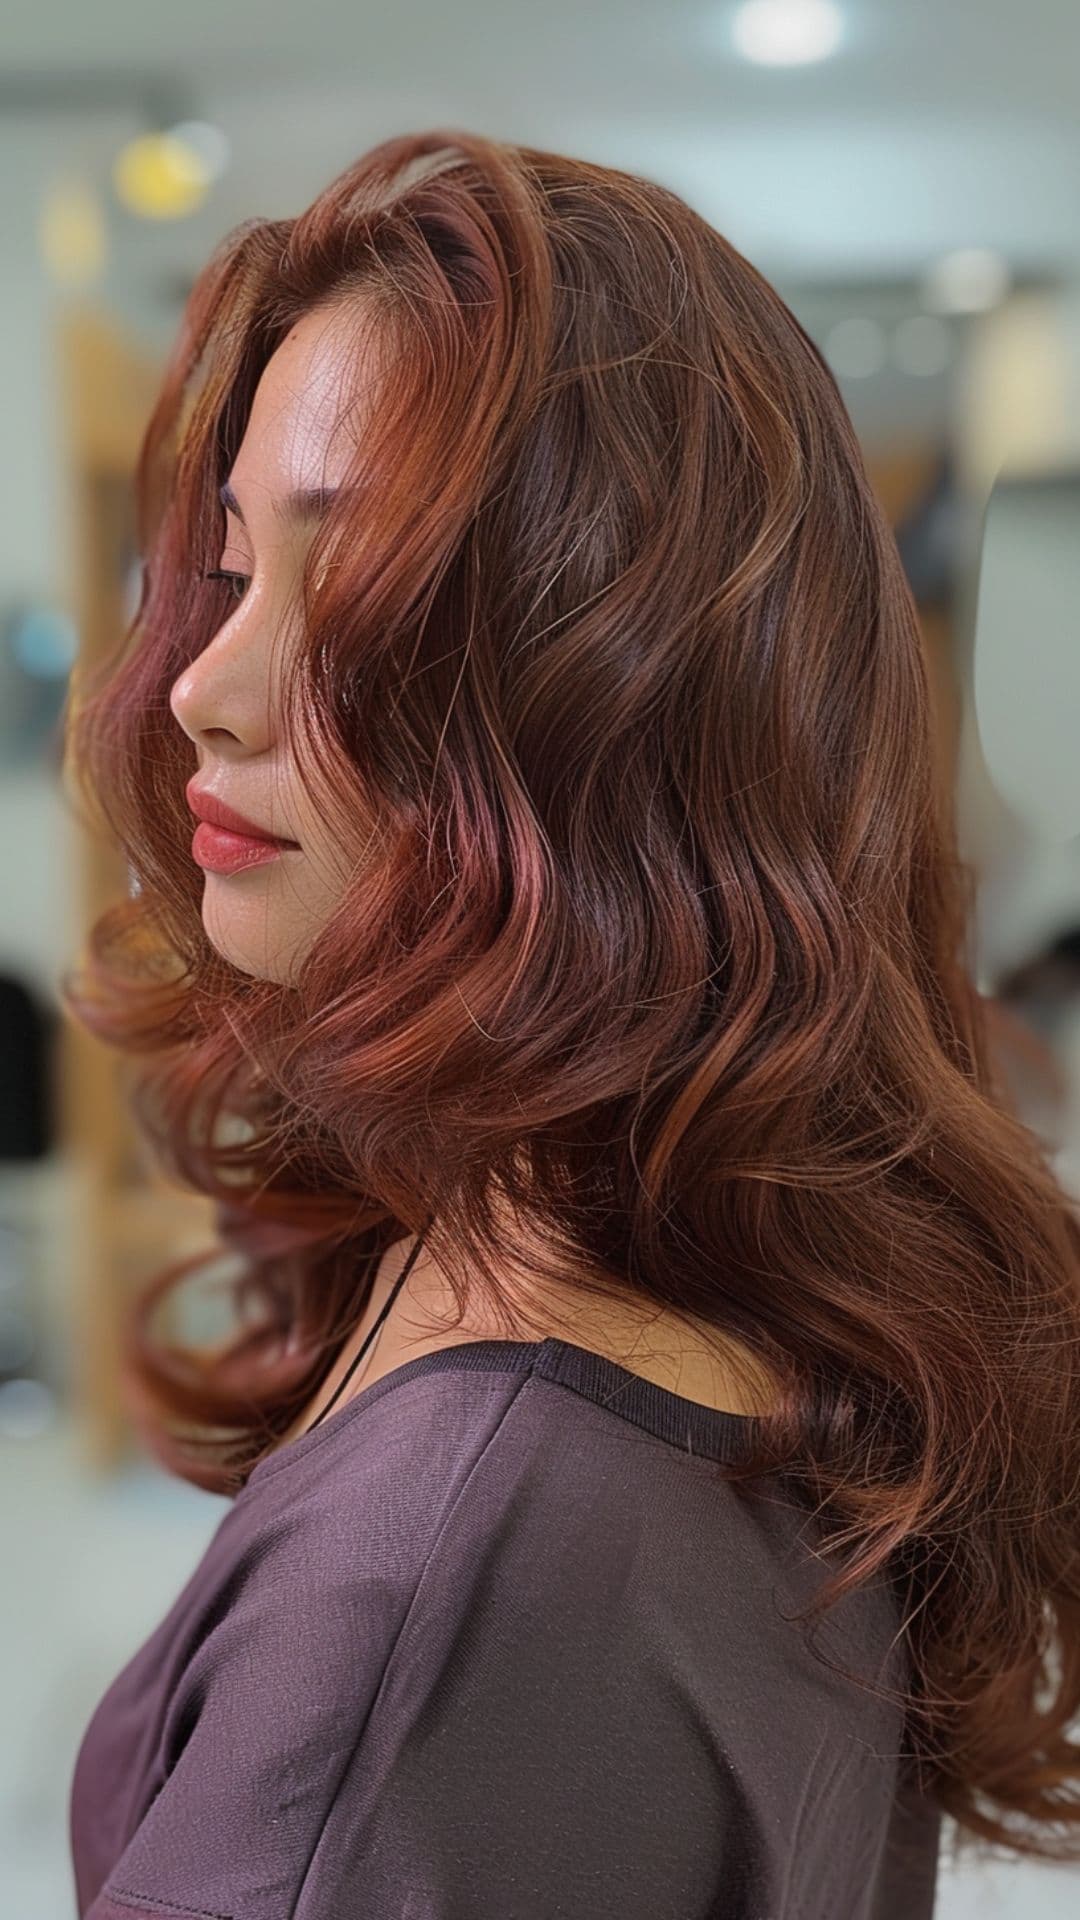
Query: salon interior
point(907, 176)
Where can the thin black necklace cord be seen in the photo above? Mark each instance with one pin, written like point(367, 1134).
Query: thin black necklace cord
point(396, 1289)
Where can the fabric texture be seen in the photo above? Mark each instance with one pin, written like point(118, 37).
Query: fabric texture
point(496, 1641)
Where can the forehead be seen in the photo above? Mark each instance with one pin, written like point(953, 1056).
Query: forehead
point(308, 412)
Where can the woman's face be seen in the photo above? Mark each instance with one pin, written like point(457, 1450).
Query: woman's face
point(300, 434)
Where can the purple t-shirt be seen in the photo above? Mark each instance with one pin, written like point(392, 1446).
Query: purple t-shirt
point(494, 1642)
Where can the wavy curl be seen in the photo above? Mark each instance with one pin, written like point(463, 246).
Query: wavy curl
point(661, 930)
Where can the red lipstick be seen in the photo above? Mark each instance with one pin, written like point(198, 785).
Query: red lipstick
point(226, 841)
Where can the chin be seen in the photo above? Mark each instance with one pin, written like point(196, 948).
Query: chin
point(247, 950)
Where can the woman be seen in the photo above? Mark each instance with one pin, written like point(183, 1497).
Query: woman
point(654, 1452)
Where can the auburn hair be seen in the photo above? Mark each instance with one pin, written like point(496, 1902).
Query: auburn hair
point(658, 928)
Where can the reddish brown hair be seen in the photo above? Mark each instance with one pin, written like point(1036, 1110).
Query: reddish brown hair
point(661, 927)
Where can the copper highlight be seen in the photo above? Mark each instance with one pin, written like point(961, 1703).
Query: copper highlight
point(656, 927)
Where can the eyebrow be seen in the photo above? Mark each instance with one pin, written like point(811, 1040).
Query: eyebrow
point(302, 504)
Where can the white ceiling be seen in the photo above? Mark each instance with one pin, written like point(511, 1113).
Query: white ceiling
point(940, 123)
point(636, 55)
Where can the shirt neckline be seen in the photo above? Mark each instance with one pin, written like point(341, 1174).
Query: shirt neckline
point(710, 1431)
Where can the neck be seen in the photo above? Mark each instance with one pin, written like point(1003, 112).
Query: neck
point(678, 1350)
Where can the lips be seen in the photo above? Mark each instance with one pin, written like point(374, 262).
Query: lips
point(223, 852)
point(206, 806)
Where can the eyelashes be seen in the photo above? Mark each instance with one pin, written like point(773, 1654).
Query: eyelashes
point(235, 579)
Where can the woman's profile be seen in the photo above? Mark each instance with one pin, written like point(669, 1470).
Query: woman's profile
point(651, 1420)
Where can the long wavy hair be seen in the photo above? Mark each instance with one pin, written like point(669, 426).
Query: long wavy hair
point(659, 933)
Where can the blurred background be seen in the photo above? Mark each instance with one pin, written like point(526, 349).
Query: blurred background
point(908, 176)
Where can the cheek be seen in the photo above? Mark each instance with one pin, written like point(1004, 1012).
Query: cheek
point(329, 859)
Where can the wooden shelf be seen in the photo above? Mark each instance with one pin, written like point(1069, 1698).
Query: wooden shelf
point(125, 1223)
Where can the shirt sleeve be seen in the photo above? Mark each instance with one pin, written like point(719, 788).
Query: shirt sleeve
point(262, 1722)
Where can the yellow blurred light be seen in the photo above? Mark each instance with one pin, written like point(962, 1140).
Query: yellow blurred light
point(160, 177)
point(72, 232)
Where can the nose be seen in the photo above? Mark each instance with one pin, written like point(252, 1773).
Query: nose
point(222, 700)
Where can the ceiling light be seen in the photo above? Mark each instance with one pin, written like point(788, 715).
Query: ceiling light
point(787, 33)
point(922, 344)
point(968, 281)
point(856, 348)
